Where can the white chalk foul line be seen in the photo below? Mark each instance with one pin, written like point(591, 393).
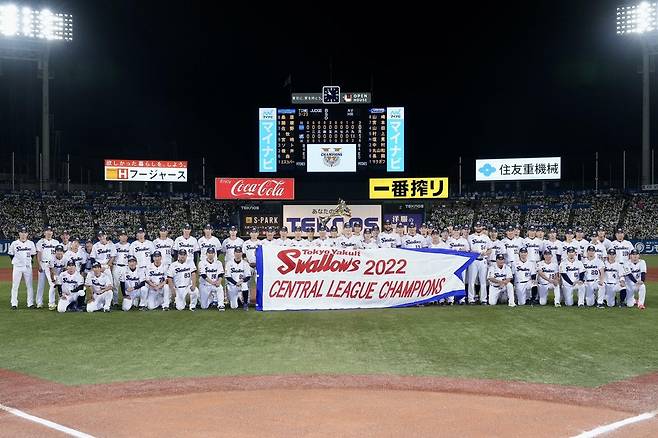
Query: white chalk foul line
point(616, 425)
point(45, 423)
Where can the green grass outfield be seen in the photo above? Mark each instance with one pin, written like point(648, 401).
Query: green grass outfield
point(573, 346)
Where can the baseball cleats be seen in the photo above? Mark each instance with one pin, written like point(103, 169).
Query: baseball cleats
point(221, 308)
point(558, 305)
point(107, 310)
point(165, 309)
point(191, 309)
point(39, 306)
point(600, 306)
point(14, 308)
point(641, 306)
point(52, 307)
point(512, 305)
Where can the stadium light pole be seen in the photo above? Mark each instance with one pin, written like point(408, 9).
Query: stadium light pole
point(27, 34)
point(641, 20)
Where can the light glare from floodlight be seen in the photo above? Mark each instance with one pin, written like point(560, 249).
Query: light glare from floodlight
point(35, 24)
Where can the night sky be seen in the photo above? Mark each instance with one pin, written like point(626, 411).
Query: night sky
point(182, 81)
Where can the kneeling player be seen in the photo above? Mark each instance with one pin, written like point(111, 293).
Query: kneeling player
point(210, 283)
point(573, 274)
point(156, 281)
point(636, 278)
point(71, 285)
point(499, 277)
point(133, 286)
point(181, 279)
point(614, 280)
point(238, 273)
point(548, 278)
point(524, 276)
point(100, 288)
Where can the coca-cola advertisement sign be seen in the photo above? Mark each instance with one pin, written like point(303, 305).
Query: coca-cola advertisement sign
point(255, 188)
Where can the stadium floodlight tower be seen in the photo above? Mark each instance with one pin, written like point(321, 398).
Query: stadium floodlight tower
point(28, 34)
point(641, 20)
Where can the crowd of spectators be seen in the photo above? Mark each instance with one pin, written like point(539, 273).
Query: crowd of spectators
point(642, 217)
point(21, 208)
point(68, 213)
point(445, 214)
point(591, 211)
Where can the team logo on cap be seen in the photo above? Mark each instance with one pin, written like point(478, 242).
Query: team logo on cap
point(331, 156)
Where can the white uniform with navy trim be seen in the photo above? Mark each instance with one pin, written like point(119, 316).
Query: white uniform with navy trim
point(369, 245)
point(556, 248)
point(132, 280)
point(535, 247)
point(166, 247)
point(102, 253)
point(352, 242)
point(635, 271)
point(300, 243)
point(181, 276)
point(142, 251)
point(323, 243)
point(478, 243)
point(99, 299)
point(593, 270)
point(495, 291)
point(415, 242)
point(229, 245)
point(552, 271)
point(21, 261)
point(612, 275)
point(237, 272)
point(58, 266)
point(190, 245)
point(523, 273)
point(68, 283)
point(283, 242)
point(623, 250)
point(208, 291)
point(572, 271)
point(120, 263)
point(205, 243)
point(389, 240)
point(162, 296)
point(47, 250)
point(79, 258)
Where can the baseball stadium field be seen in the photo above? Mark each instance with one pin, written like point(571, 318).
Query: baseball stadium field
point(541, 360)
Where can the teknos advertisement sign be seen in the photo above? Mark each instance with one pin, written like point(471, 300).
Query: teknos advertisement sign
point(255, 188)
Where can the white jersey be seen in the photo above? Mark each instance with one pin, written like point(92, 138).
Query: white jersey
point(165, 246)
point(324, 243)
point(612, 272)
point(122, 251)
point(623, 250)
point(249, 249)
point(132, 279)
point(351, 242)
point(205, 243)
point(512, 247)
point(581, 247)
point(102, 253)
point(600, 250)
point(566, 245)
point(237, 271)
point(98, 283)
point(606, 242)
point(283, 242)
point(441, 245)
point(181, 274)
point(190, 245)
point(156, 274)
point(550, 270)
point(416, 241)
point(79, 257)
point(389, 240)
point(636, 269)
point(301, 243)
point(572, 269)
point(212, 270)
point(459, 244)
point(266, 242)
point(57, 265)
point(22, 253)
point(47, 249)
point(499, 273)
point(523, 271)
point(369, 245)
point(69, 281)
point(66, 245)
point(142, 252)
point(556, 248)
point(593, 268)
point(479, 243)
point(229, 245)
point(497, 247)
point(535, 247)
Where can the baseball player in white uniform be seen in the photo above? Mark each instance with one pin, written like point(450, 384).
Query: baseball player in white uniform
point(45, 252)
point(635, 279)
point(581, 243)
point(593, 278)
point(548, 277)
point(208, 241)
point(499, 278)
point(21, 252)
point(104, 253)
point(238, 274)
point(412, 239)
point(600, 248)
point(600, 235)
point(142, 249)
point(525, 274)
point(368, 241)
point(333, 235)
point(437, 242)
point(122, 250)
point(534, 245)
point(497, 246)
point(613, 277)
point(181, 279)
point(323, 240)
point(65, 240)
point(77, 254)
point(348, 240)
point(231, 243)
point(569, 241)
point(165, 245)
point(623, 250)
point(283, 239)
point(512, 245)
point(555, 246)
point(159, 294)
point(480, 243)
point(250, 246)
point(573, 274)
point(70, 285)
point(211, 274)
point(56, 266)
point(188, 243)
point(388, 238)
point(269, 237)
point(100, 288)
point(133, 286)
point(298, 240)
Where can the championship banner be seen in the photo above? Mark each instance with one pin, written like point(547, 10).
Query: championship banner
point(334, 278)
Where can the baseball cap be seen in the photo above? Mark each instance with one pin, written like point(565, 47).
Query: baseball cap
point(75, 239)
point(59, 248)
point(619, 230)
point(367, 231)
point(157, 253)
point(571, 249)
point(140, 230)
point(569, 231)
point(47, 228)
point(478, 224)
point(283, 229)
point(634, 252)
point(347, 226)
point(89, 241)
point(523, 250)
point(411, 224)
point(591, 248)
point(552, 230)
point(547, 252)
point(387, 222)
point(579, 229)
point(253, 230)
point(163, 227)
point(375, 227)
point(400, 225)
point(601, 228)
point(435, 231)
point(66, 232)
point(532, 228)
point(334, 228)
point(233, 228)
point(122, 233)
point(309, 230)
point(210, 250)
point(298, 228)
point(132, 259)
point(510, 228)
point(270, 229)
point(95, 265)
point(322, 228)
point(494, 229)
point(70, 263)
point(207, 227)
point(100, 233)
point(357, 225)
point(466, 227)
point(500, 256)
point(237, 250)
point(182, 251)
point(22, 229)
point(187, 227)
point(612, 251)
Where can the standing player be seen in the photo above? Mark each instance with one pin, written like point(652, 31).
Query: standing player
point(298, 241)
point(208, 241)
point(189, 244)
point(45, 253)
point(104, 253)
point(388, 238)
point(211, 273)
point(66, 243)
point(142, 249)
point(437, 242)
point(636, 276)
point(283, 239)
point(21, 252)
point(497, 246)
point(413, 239)
point(181, 278)
point(322, 241)
point(512, 246)
point(548, 277)
point(593, 278)
point(70, 285)
point(480, 243)
point(599, 247)
point(600, 235)
point(156, 281)
point(56, 266)
point(614, 280)
point(555, 246)
point(165, 245)
point(99, 287)
point(357, 230)
point(573, 274)
point(133, 286)
point(122, 250)
point(499, 278)
point(238, 274)
point(250, 246)
point(231, 243)
point(623, 250)
point(269, 237)
point(368, 242)
point(581, 243)
point(348, 240)
point(375, 234)
point(524, 274)
point(534, 244)
point(570, 242)
point(77, 255)
point(84, 269)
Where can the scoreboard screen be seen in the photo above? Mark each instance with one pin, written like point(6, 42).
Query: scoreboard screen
point(331, 138)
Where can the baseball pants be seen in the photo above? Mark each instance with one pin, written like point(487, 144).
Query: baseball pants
point(608, 292)
point(631, 290)
point(208, 292)
point(235, 292)
point(159, 297)
point(101, 301)
point(116, 277)
point(136, 294)
point(66, 300)
point(567, 291)
point(24, 272)
point(505, 293)
point(181, 297)
point(477, 271)
point(43, 277)
point(523, 291)
point(587, 293)
point(543, 293)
